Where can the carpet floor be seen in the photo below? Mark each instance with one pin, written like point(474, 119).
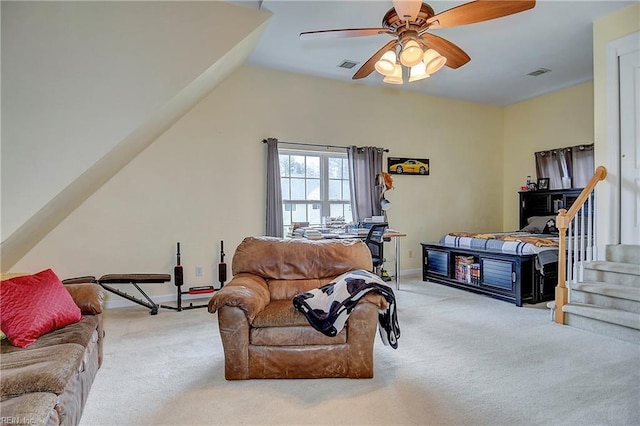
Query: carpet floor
point(463, 359)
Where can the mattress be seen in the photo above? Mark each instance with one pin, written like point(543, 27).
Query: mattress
point(543, 246)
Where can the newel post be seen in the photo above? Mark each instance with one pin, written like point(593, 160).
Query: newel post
point(562, 294)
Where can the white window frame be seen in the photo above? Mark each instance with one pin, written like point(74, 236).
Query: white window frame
point(324, 203)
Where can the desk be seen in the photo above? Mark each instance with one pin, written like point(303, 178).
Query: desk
point(395, 235)
point(396, 241)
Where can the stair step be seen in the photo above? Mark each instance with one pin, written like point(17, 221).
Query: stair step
point(607, 300)
point(606, 289)
point(612, 272)
point(613, 316)
point(578, 316)
point(616, 324)
point(606, 295)
point(624, 253)
point(619, 267)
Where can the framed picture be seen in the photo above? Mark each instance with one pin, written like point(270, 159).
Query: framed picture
point(543, 183)
point(408, 166)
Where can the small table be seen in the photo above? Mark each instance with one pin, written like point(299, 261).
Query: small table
point(395, 235)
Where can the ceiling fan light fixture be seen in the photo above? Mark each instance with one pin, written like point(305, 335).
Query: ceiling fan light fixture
point(409, 23)
point(396, 77)
point(433, 61)
point(418, 72)
point(407, 9)
point(386, 65)
point(411, 54)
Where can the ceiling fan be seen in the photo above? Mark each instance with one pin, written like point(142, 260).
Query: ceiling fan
point(422, 53)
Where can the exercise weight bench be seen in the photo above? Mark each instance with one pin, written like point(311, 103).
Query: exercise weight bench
point(133, 279)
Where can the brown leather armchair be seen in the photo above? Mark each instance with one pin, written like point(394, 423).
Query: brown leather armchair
point(265, 337)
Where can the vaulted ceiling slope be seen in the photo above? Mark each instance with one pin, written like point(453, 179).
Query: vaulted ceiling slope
point(87, 86)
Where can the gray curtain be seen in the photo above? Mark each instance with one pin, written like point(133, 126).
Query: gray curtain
point(575, 162)
point(548, 166)
point(275, 224)
point(365, 163)
point(582, 165)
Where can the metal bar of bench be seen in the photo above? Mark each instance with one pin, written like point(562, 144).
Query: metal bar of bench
point(151, 305)
point(134, 279)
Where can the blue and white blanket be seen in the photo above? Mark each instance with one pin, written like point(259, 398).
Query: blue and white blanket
point(327, 308)
point(518, 243)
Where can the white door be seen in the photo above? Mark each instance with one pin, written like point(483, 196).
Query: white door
point(629, 64)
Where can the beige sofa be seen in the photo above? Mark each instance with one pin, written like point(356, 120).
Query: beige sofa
point(265, 337)
point(47, 383)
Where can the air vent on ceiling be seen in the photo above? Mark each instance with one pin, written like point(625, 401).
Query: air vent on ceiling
point(539, 71)
point(347, 64)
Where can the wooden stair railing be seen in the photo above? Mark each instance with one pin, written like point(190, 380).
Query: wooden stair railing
point(568, 266)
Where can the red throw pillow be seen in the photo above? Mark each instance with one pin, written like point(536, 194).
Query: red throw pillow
point(33, 305)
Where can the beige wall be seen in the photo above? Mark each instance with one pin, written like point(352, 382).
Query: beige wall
point(203, 180)
point(79, 78)
point(606, 30)
point(559, 119)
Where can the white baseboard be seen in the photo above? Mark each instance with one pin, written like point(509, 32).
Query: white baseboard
point(410, 272)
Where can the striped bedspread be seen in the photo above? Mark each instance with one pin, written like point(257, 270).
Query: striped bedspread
point(545, 248)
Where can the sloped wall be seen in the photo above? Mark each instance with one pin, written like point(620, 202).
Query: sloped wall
point(79, 78)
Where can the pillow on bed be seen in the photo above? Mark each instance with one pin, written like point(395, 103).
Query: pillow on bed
point(550, 227)
point(538, 224)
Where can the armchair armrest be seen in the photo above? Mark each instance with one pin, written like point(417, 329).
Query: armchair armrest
point(376, 299)
point(246, 291)
point(89, 297)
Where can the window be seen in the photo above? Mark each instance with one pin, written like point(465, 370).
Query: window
point(574, 164)
point(314, 185)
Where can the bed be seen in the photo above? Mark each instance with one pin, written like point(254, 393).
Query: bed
point(519, 266)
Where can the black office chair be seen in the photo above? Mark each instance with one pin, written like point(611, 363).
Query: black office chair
point(375, 242)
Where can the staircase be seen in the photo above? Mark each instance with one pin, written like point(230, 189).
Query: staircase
point(607, 299)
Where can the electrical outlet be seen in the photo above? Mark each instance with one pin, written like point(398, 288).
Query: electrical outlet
point(198, 271)
point(410, 254)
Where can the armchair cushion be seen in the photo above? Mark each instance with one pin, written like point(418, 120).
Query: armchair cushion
point(279, 313)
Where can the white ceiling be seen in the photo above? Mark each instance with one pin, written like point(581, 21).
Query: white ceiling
point(555, 34)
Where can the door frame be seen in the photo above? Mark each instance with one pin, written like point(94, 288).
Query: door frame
point(615, 49)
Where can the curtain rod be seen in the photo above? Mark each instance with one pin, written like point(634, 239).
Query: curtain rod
point(317, 145)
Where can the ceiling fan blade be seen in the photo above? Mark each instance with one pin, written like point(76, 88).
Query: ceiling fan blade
point(478, 11)
point(343, 33)
point(407, 10)
point(369, 66)
point(456, 57)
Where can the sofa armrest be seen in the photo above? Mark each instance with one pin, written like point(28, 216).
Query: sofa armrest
point(88, 297)
point(245, 291)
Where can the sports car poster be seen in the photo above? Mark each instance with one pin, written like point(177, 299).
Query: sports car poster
point(408, 166)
